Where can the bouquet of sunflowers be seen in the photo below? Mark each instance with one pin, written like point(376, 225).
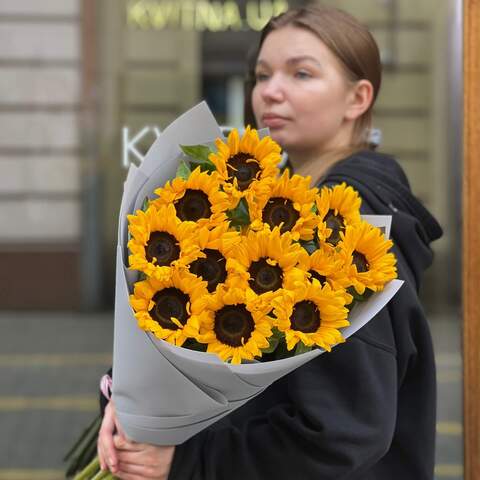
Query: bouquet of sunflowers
point(240, 261)
point(231, 274)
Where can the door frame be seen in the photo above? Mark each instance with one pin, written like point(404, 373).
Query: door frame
point(471, 238)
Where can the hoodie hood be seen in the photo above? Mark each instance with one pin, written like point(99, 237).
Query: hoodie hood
point(385, 190)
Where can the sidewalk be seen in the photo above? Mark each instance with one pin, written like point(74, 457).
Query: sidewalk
point(50, 364)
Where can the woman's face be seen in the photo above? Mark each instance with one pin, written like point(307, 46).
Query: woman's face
point(301, 93)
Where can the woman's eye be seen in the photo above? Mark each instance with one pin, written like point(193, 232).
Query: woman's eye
point(302, 74)
point(260, 76)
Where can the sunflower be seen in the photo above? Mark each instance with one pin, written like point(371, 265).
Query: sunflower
point(265, 263)
point(232, 327)
point(216, 245)
point(245, 165)
point(364, 251)
point(166, 307)
point(312, 315)
point(197, 199)
point(326, 266)
point(159, 241)
point(337, 207)
point(289, 205)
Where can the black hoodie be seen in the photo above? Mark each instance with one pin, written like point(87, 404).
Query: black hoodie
point(365, 411)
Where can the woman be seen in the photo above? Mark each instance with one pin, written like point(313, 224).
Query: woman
point(367, 410)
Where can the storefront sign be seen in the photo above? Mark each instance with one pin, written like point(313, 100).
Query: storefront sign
point(129, 144)
point(202, 15)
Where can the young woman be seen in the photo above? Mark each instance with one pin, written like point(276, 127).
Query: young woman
point(366, 410)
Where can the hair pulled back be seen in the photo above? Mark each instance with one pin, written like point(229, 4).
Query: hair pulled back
point(349, 40)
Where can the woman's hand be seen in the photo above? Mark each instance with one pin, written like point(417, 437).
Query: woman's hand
point(126, 459)
point(107, 454)
point(140, 461)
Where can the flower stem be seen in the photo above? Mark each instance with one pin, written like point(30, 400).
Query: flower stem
point(103, 475)
point(91, 469)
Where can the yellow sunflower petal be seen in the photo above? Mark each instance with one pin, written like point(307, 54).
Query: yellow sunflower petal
point(365, 253)
point(337, 208)
point(287, 204)
point(160, 241)
point(152, 302)
point(243, 162)
point(313, 317)
point(233, 328)
point(265, 262)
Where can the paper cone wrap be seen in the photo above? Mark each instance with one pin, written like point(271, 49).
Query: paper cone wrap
point(165, 394)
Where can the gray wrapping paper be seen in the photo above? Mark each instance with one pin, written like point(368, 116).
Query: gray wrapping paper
point(164, 394)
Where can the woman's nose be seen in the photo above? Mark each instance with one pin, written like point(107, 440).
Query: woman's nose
point(273, 89)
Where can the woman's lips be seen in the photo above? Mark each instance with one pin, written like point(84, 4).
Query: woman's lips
point(273, 121)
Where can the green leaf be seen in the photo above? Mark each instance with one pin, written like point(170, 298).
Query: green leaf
point(354, 294)
point(357, 297)
point(183, 171)
point(145, 203)
point(282, 351)
point(367, 294)
point(277, 333)
point(360, 297)
point(207, 166)
point(239, 216)
point(84, 449)
point(192, 344)
point(276, 338)
point(310, 246)
point(301, 348)
point(197, 152)
point(198, 155)
point(273, 344)
point(90, 432)
point(351, 305)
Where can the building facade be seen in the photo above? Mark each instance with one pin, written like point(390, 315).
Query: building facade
point(84, 84)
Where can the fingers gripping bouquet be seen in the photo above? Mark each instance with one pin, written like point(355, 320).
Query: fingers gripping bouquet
point(231, 274)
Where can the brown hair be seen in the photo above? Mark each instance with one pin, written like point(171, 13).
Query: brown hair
point(349, 40)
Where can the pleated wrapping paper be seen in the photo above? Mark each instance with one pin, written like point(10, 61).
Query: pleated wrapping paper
point(165, 394)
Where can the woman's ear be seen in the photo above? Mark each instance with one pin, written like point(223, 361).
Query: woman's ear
point(361, 97)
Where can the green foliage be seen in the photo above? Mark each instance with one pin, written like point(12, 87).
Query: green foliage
point(301, 348)
point(282, 351)
point(273, 341)
point(309, 245)
point(192, 344)
point(357, 297)
point(183, 170)
point(85, 448)
point(198, 157)
point(239, 216)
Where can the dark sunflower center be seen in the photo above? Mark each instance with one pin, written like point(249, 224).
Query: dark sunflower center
point(360, 261)
point(170, 302)
point(164, 247)
point(280, 210)
point(193, 206)
point(211, 269)
point(321, 278)
point(337, 224)
point(244, 168)
point(265, 277)
point(232, 323)
point(305, 317)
